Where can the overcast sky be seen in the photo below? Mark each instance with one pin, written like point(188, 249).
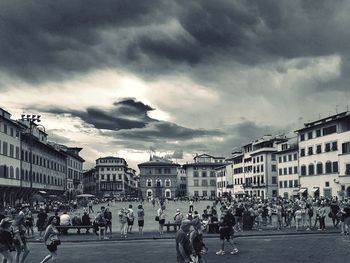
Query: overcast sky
point(121, 77)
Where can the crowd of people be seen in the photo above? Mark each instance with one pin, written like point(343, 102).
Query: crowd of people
point(224, 216)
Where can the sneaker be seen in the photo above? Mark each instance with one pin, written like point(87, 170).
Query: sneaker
point(234, 251)
point(220, 252)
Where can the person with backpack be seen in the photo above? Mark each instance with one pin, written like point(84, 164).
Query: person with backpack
point(226, 224)
point(130, 219)
point(140, 218)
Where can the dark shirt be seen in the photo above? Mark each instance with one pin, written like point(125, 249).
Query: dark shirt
point(239, 211)
point(86, 220)
point(42, 218)
point(182, 238)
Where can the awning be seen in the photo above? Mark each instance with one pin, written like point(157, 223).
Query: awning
point(315, 189)
point(42, 192)
point(302, 190)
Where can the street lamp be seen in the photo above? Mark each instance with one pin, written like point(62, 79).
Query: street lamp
point(33, 120)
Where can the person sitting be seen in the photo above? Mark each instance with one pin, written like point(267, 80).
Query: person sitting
point(86, 221)
point(65, 220)
point(76, 220)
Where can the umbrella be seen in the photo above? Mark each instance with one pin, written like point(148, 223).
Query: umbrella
point(85, 195)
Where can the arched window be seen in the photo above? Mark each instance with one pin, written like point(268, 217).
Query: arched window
point(319, 168)
point(12, 172)
point(167, 183)
point(149, 183)
point(303, 170)
point(17, 173)
point(311, 169)
point(328, 167)
point(159, 183)
point(149, 193)
point(168, 193)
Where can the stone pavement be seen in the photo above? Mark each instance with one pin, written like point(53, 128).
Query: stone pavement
point(318, 247)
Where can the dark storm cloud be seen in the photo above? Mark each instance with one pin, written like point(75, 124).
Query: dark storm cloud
point(43, 40)
point(126, 114)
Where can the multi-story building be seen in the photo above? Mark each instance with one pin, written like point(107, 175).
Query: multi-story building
point(288, 173)
point(158, 178)
point(132, 182)
point(90, 182)
point(182, 182)
point(255, 168)
point(201, 177)
point(10, 162)
point(324, 156)
point(112, 176)
point(224, 179)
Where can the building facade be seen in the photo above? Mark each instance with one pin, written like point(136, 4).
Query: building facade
point(201, 176)
point(224, 180)
point(90, 182)
point(182, 182)
point(324, 157)
point(158, 178)
point(288, 168)
point(112, 176)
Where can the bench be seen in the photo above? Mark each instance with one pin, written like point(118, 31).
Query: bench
point(64, 229)
point(173, 225)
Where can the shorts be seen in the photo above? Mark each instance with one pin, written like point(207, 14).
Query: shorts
point(141, 223)
point(130, 222)
point(225, 233)
point(52, 247)
point(162, 221)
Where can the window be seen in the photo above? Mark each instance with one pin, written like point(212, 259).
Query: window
point(195, 193)
point(12, 151)
point(328, 147)
point(318, 133)
point(319, 168)
point(326, 184)
point(285, 171)
point(273, 157)
point(311, 169)
point(212, 193)
point(328, 167)
point(205, 193)
point(284, 158)
point(285, 184)
point(280, 159)
point(196, 182)
point(295, 156)
point(347, 168)
point(302, 137)
point(345, 147)
point(303, 170)
point(290, 183)
point(204, 183)
point(204, 174)
point(296, 184)
point(302, 152)
point(334, 146)
point(167, 183)
point(329, 130)
point(212, 182)
point(281, 184)
point(290, 170)
point(212, 174)
point(310, 151)
point(4, 148)
point(289, 157)
point(280, 171)
point(273, 168)
point(318, 148)
point(295, 169)
point(309, 135)
point(195, 174)
point(149, 182)
point(274, 180)
point(335, 167)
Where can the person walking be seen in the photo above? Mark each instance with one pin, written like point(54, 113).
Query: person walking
point(51, 240)
point(183, 246)
point(29, 222)
point(91, 210)
point(41, 222)
point(334, 207)
point(20, 239)
point(6, 240)
point(161, 215)
point(226, 232)
point(140, 218)
point(196, 241)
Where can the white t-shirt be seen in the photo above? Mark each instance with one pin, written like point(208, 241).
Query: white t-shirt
point(64, 220)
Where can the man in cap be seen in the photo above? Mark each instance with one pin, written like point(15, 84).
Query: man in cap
point(183, 246)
